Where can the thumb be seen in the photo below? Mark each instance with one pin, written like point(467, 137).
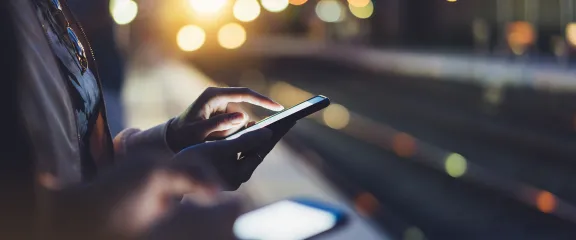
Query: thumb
point(221, 122)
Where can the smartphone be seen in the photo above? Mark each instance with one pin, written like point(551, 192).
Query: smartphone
point(295, 113)
point(294, 219)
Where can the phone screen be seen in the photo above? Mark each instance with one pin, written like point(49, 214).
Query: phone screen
point(284, 220)
point(274, 118)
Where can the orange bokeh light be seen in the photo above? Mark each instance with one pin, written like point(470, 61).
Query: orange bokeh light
point(520, 35)
point(359, 3)
point(298, 2)
point(404, 145)
point(366, 204)
point(546, 202)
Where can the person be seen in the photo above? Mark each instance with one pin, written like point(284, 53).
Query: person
point(99, 26)
point(87, 185)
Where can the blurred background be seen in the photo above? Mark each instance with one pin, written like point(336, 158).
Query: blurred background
point(450, 118)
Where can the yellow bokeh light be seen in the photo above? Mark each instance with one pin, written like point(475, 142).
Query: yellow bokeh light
point(246, 10)
point(113, 4)
point(571, 34)
point(359, 3)
point(330, 11)
point(207, 6)
point(456, 165)
point(362, 12)
point(275, 5)
point(191, 38)
point(452, 0)
point(336, 116)
point(124, 12)
point(298, 2)
point(231, 36)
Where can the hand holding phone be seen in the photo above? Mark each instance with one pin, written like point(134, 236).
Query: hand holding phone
point(292, 114)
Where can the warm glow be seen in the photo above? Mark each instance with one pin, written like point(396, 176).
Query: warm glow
point(571, 34)
point(362, 12)
point(207, 6)
point(246, 10)
point(359, 3)
point(452, 0)
point(191, 38)
point(231, 36)
point(404, 145)
point(287, 94)
point(253, 79)
point(275, 5)
point(366, 204)
point(336, 116)
point(298, 2)
point(546, 202)
point(330, 11)
point(124, 12)
point(520, 35)
point(456, 165)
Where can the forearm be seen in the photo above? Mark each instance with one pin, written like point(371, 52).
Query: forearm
point(131, 142)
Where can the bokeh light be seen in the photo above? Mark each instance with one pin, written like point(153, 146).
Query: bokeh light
point(231, 36)
point(246, 10)
point(275, 5)
point(480, 29)
point(124, 12)
point(452, 0)
point(404, 145)
point(571, 34)
point(330, 11)
point(336, 116)
point(359, 3)
point(559, 46)
point(456, 165)
point(413, 233)
point(546, 202)
point(366, 204)
point(191, 38)
point(362, 12)
point(520, 35)
point(207, 6)
point(298, 2)
point(494, 94)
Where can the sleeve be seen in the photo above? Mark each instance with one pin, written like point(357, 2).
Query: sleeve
point(133, 141)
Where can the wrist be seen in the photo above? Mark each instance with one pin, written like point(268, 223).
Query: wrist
point(171, 136)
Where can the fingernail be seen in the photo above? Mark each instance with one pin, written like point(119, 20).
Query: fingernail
point(280, 107)
point(237, 118)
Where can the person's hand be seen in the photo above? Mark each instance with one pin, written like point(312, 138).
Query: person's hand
point(127, 201)
point(235, 160)
point(214, 115)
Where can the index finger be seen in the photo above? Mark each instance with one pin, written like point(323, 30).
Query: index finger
point(237, 95)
